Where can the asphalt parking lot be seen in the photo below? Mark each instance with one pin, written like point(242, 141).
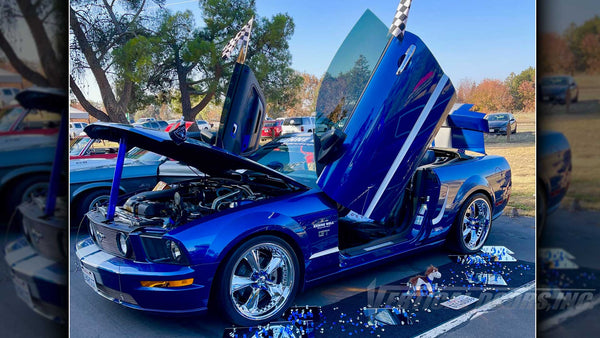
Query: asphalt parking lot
point(576, 233)
point(93, 316)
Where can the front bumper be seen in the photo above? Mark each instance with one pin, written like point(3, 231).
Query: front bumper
point(553, 97)
point(498, 130)
point(40, 282)
point(118, 279)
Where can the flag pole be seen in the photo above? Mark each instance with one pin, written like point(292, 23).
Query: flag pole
point(244, 50)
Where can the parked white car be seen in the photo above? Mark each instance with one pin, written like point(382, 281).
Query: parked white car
point(203, 125)
point(7, 95)
point(76, 128)
point(145, 119)
point(298, 125)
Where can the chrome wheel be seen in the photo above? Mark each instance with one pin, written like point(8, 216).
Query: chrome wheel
point(262, 280)
point(476, 224)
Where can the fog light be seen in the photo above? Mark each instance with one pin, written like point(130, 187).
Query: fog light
point(122, 243)
point(168, 284)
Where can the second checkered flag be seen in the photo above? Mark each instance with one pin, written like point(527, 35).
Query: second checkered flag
point(243, 36)
point(399, 24)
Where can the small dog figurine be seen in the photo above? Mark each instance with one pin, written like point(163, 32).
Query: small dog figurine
point(418, 281)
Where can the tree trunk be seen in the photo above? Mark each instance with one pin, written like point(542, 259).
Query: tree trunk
point(53, 69)
point(114, 109)
point(95, 112)
point(28, 73)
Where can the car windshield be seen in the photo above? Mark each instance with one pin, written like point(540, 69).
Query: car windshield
point(292, 122)
point(293, 156)
point(271, 124)
point(349, 72)
point(555, 81)
point(9, 116)
point(77, 145)
point(498, 117)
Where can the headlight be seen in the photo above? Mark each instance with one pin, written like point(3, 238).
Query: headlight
point(174, 249)
point(122, 243)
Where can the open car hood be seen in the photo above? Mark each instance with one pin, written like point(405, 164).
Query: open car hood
point(208, 159)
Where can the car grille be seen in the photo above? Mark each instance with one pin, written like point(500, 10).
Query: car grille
point(106, 238)
point(115, 294)
point(48, 237)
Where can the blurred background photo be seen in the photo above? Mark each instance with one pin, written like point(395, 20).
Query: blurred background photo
point(568, 187)
point(33, 167)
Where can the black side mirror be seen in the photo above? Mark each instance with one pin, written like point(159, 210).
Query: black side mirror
point(277, 166)
point(331, 146)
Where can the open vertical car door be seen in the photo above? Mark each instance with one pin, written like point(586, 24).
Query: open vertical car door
point(379, 107)
point(243, 114)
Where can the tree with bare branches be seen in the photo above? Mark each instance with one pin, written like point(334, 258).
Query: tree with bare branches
point(101, 31)
point(44, 20)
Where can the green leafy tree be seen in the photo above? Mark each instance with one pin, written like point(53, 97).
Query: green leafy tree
point(575, 35)
point(513, 83)
point(189, 57)
point(108, 40)
point(305, 100)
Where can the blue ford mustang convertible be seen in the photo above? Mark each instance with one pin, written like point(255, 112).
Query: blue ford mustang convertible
point(265, 223)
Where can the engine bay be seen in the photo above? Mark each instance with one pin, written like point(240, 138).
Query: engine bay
point(173, 205)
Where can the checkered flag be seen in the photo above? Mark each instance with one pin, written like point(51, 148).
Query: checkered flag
point(243, 36)
point(399, 25)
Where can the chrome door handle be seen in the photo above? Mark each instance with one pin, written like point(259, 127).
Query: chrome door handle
point(407, 57)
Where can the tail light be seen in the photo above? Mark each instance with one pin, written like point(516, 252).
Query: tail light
point(302, 128)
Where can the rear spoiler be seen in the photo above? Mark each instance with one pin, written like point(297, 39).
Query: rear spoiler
point(463, 129)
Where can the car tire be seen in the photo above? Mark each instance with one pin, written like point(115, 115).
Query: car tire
point(21, 190)
point(87, 203)
point(254, 281)
point(541, 210)
point(480, 224)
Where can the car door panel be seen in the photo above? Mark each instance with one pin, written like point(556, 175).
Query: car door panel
point(393, 123)
point(243, 113)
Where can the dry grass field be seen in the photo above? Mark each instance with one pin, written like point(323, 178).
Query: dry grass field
point(520, 154)
point(581, 126)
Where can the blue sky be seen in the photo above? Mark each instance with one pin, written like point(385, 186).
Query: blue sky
point(470, 38)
